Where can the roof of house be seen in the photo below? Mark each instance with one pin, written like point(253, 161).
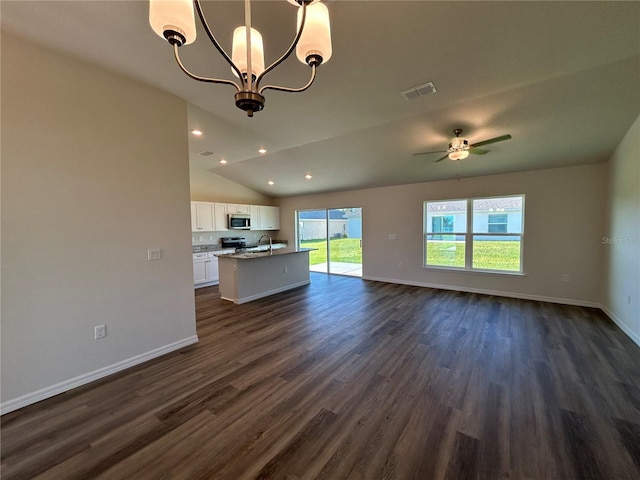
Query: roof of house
point(481, 204)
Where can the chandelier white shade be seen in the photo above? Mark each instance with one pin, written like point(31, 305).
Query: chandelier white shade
point(175, 15)
point(316, 36)
point(239, 51)
point(174, 20)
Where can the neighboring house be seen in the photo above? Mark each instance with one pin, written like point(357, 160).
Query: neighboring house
point(491, 215)
point(313, 224)
point(354, 223)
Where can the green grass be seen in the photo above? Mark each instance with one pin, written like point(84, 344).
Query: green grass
point(487, 255)
point(344, 250)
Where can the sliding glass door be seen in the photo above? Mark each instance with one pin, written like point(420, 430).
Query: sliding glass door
point(337, 236)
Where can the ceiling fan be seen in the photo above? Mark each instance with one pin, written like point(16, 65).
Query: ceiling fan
point(459, 147)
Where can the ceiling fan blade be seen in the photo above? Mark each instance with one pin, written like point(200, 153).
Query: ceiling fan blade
point(491, 140)
point(427, 153)
point(477, 151)
point(441, 158)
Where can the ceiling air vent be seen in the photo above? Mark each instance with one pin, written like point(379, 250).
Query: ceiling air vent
point(419, 91)
point(206, 153)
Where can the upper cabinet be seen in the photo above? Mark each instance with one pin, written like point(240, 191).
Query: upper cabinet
point(212, 217)
point(236, 208)
point(220, 217)
point(264, 217)
point(269, 217)
point(202, 217)
point(255, 217)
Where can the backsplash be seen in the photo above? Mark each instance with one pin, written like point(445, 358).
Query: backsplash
point(213, 238)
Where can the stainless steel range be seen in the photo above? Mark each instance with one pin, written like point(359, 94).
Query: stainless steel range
point(234, 242)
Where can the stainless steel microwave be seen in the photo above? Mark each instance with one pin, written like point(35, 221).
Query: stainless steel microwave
point(239, 221)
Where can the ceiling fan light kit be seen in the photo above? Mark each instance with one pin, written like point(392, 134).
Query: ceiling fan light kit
point(174, 20)
point(459, 147)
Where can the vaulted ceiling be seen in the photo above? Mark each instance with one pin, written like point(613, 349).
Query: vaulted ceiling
point(560, 77)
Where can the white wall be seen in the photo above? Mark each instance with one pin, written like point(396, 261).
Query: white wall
point(621, 244)
point(94, 172)
point(209, 187)
point(564, 223)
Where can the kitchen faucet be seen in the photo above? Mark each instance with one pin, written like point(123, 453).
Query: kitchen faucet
point(270, 242)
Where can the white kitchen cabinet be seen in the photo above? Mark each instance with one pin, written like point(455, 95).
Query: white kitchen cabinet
point(256, 224)
point(220, 217)
point(269, 218)
point(212, 268)
point(199, 268)
point(205, 268)
point(237, 208)
point(194, 217)
point(202, 217)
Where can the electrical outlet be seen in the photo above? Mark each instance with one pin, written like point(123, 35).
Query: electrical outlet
point(285, 269)
point(392, 236)
point(154, 254)
point(100, 331)
point(399, 264)
point(629, 299)
point(566, 277)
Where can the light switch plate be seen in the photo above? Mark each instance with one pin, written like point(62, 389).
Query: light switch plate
point(154, 254)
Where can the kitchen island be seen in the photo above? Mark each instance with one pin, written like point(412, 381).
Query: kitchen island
point(251, 275)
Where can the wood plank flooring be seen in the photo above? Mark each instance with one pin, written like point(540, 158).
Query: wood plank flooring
point(350, 379)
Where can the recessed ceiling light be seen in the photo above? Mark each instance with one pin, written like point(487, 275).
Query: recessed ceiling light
point(308, 176)
point(262, 150)
point(223, 161)
point(197, 133)
point(270, 182)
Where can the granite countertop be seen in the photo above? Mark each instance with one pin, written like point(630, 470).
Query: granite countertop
point(216, 247)
point(263, 253)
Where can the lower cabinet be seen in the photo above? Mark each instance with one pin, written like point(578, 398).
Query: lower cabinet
point(205, 269)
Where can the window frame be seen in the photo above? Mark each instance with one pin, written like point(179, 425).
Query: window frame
point(470, 235)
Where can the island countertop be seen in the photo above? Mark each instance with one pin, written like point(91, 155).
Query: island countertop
point(264, 253)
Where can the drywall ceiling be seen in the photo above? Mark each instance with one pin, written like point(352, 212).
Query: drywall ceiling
point(560, 77)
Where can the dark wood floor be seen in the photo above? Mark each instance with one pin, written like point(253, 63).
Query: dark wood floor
point(349, 379)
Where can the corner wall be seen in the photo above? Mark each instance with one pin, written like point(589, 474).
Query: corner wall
point(564, 223)
point(621, 243)
point(94, 172)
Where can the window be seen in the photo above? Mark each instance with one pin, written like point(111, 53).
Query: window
point(483, 234)
point(498, 223)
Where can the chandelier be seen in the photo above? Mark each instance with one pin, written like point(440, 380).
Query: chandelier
point(174, 20)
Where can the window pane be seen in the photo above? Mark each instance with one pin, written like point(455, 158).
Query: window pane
point(445, 250)
point(497, 223)
point(447, 216)
point(497, 253)
point(498, 215)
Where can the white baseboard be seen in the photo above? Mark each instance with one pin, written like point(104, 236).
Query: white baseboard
point(498, 293)
point(83, 379)
point(632, 335)
point(250, 298)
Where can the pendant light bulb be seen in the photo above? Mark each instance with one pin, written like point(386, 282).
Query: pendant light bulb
point(315, 43)
point(239, 51)
point(173, 20)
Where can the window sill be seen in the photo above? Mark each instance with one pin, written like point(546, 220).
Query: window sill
point(482, 272)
